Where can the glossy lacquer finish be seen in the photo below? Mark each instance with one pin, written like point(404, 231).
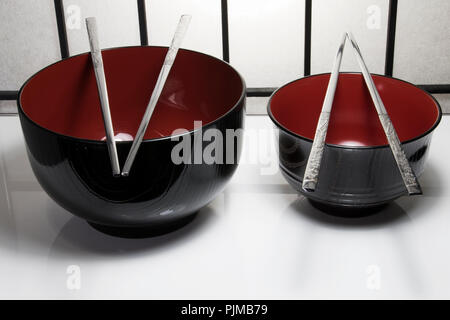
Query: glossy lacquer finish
point(358, 169)
point(61, 121)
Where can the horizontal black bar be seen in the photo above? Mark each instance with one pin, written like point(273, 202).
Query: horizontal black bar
point(435, 88)
point(218, 309)
point(260, 92)
point(142, 22)
point(62, 32)
point(8, 95)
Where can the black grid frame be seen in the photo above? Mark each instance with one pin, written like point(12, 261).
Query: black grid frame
point(251, 92)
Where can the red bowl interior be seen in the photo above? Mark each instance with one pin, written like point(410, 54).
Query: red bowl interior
point(63, 97)
point(354, 120)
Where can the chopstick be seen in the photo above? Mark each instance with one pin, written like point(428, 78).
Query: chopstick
point(167, 65)
point(311, 176)
point(408, 176)
point(97, 62)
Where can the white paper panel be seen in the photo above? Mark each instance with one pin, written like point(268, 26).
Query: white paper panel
point(256, 105)
point(205, 30)
point(422, 46)
point(444, 101)
point(366, 19)
point(266, 40)
point(117, 21)
point(8, 106)
point(29, 40)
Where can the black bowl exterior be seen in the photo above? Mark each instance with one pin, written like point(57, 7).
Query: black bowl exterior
point(350, 177)
point(77, 175)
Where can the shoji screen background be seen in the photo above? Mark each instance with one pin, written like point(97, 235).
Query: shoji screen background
point(269, 41)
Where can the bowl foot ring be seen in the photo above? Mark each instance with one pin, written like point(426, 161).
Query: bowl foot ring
point(348, 211)
point(143, 232)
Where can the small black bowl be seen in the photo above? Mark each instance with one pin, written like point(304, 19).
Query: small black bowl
point(358, 170)
point(61, 120)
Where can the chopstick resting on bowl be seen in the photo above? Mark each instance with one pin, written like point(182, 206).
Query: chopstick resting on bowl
point(311, 176)
point(163, 74)
point(97, 62)
point(408, 176)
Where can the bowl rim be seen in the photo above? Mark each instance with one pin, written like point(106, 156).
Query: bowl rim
point(281, 127)
point(239, 101)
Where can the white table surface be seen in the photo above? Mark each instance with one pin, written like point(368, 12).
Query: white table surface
point(257, 240)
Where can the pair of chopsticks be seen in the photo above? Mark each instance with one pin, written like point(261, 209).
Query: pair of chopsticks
point(311, 176)
point(97, 62)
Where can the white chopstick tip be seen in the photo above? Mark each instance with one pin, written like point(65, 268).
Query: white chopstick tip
point(186, 17)
point(414, 190)
point(90, 21)
point(309, 186)
point(353, 40)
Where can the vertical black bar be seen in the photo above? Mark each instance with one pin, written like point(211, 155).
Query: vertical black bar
point(308, 15)
point(62, 33)
point(142, 22)
point(390, 44)
point(225, 40)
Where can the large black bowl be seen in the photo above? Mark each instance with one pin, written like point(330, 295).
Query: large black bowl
point(358, 169)
point(61, 120)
